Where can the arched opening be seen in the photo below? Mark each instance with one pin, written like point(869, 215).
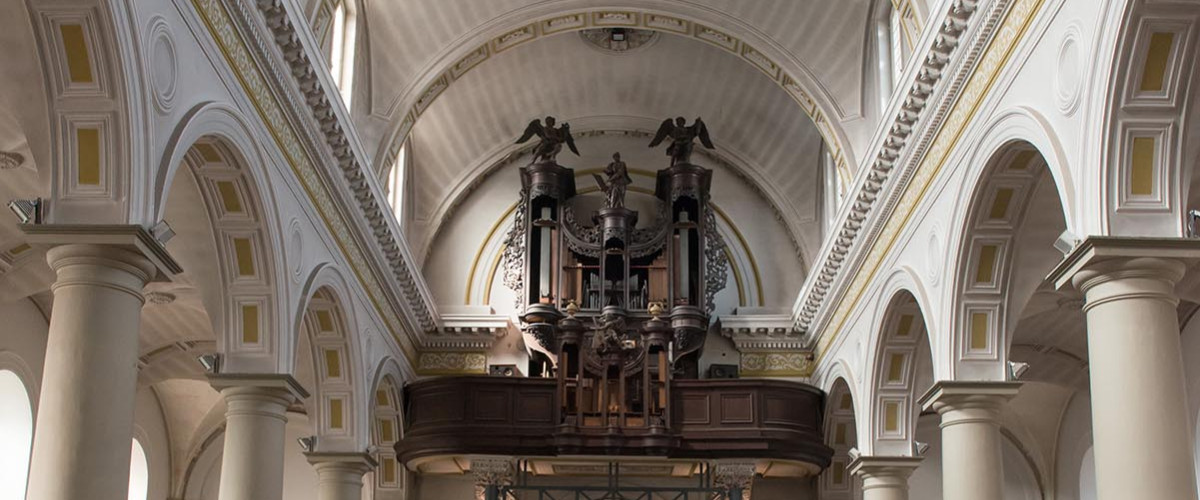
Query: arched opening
point(16, 435)
point(903, 372)
point(325, 362)
point(387, 428)
point(1012, 323)
point(841, 434)
point(139, 473)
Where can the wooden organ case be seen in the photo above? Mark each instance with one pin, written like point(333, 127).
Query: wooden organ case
point(618, 310)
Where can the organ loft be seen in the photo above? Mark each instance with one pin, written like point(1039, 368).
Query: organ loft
point(615, 303)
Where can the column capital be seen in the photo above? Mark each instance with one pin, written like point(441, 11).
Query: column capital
point(266, 384)
point(899, 468)
point(130, 237)
point(1104, 254)
point(353, 462)
point(983, 398)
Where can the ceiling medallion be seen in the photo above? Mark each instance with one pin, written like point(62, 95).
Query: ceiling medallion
point(618, 40)
point(10, 160)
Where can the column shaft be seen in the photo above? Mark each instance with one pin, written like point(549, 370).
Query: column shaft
point(971, 460)
point(255, 421)
point(85, 416)
point(1139, 403)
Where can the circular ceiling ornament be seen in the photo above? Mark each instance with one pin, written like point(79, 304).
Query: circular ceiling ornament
point(618, 40)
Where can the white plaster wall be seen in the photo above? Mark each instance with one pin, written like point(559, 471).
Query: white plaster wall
point(448, 266)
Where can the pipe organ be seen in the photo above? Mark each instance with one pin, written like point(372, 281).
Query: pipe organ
point(618, 302)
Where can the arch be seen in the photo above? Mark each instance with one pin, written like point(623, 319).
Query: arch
point(217, 147)
point(525, 24)
point(1145, 129)
point(841, 434)
point(98, 107)
point(329, 331)
point(387, 427)
point(736, 162)
point(1001, 182)
point(901, 346)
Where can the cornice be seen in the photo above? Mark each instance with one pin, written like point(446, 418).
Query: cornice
point(312, 105)
point(917, 114)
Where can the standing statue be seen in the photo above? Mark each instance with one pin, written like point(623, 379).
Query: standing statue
point(552, 139)
point(681, 136)
point(617, 181)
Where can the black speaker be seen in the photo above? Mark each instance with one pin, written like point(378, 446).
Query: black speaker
point(722, 371)
point(503, 370)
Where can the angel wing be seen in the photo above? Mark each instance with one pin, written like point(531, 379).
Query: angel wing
point(534, 128)
point(566, 132)
point(702, 133)
point(664, 130)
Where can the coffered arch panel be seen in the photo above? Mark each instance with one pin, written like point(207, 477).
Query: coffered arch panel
point(219, 153)
point(900, 370)
point(328, 357)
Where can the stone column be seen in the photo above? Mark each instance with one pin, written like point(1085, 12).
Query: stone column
point(85, 415)
point(737, 477)
point(255, 420)
point(340, 475)
point(1139, 404)
point(884, 478)
point(971, 463)
point(490, 474)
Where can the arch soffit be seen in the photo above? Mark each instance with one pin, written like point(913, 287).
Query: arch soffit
point(110, 87)
point(342, 337)
point(840, 371)
point(889, 427)
point(1117, 63)
point(668, 16)
point(1009, 129)
point(219, 121)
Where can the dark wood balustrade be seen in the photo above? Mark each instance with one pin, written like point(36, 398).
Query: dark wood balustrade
point(749, 418)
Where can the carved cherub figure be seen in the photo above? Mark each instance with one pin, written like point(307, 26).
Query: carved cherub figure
point(609, 332)
point(681, 136)
point(552, 139)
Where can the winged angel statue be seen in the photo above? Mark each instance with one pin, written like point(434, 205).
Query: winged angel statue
point(552, 139)
point(681, 136)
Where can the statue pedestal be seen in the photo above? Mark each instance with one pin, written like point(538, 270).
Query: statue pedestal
point(616, 223)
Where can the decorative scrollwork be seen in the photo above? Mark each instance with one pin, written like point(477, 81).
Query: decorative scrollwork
point(514, 252)
point(716, 261)
point(586, 240)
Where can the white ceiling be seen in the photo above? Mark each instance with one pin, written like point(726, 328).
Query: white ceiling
point(411, 38)
point(752, 121)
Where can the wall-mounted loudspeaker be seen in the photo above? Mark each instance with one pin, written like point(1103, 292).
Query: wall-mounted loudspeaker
point(722, 371)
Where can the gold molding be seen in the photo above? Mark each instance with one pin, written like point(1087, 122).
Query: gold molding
point(1009, 33)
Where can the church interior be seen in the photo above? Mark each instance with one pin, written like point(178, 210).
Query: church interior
point(599, 249)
